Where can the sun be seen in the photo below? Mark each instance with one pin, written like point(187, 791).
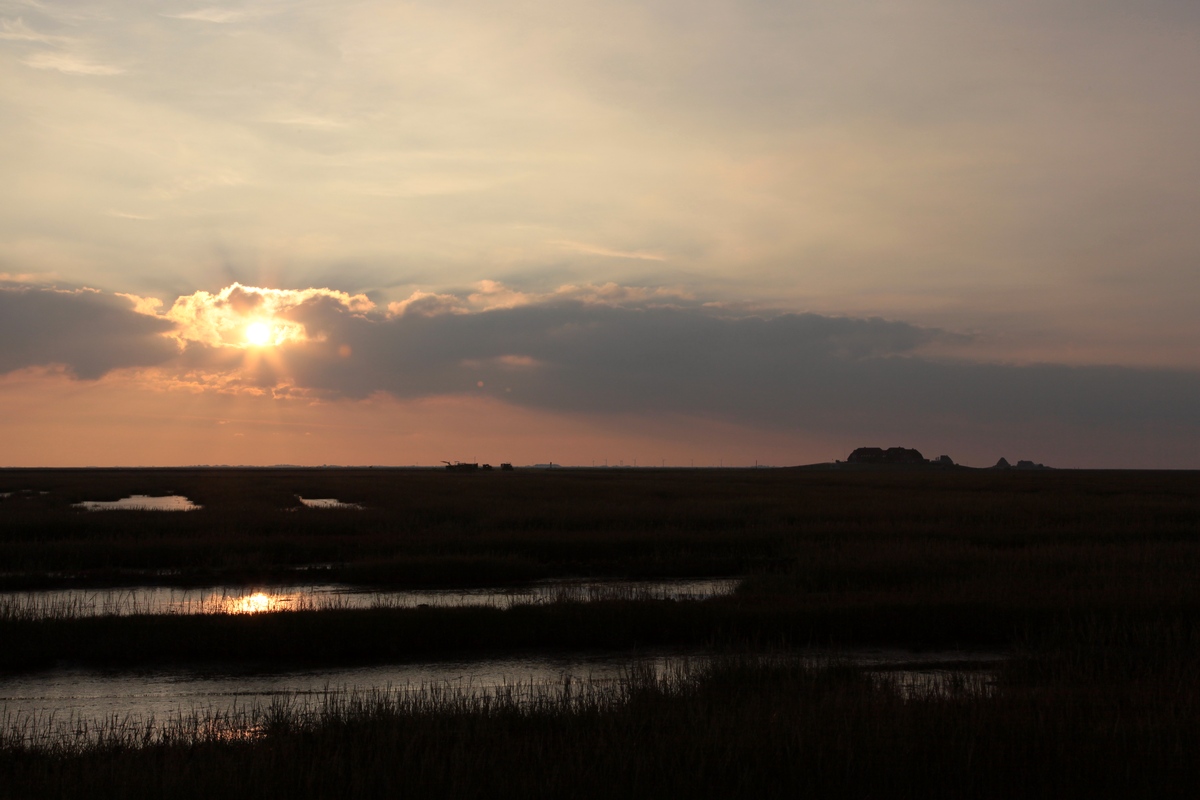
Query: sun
point(258, 334)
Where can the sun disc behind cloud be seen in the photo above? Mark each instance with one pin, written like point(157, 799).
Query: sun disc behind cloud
point(259, 334)
point(250, 316)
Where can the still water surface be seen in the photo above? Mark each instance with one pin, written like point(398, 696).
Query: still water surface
point(326, 502)
point(141, 502)
point(177, 502)
point(67, 700)
point(249, 600)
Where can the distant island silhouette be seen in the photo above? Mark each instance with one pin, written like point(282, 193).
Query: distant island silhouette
point(911, 458)
point(892, 455)
point(1003, 464)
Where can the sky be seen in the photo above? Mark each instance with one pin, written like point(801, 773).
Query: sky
point(657, 232)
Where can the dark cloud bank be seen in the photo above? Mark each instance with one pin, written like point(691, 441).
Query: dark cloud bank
point(795, 371)
point(87, 332)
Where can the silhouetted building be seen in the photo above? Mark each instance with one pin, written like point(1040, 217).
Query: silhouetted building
point(1002, 464)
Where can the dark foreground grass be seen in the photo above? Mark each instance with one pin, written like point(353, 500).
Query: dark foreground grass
point(741, 729)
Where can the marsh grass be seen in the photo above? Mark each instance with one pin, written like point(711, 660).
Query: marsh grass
point(741, 727)
point(975, 560)
point(36, 605)
point(435, 529)
point(1089, 578)
point(306, 712)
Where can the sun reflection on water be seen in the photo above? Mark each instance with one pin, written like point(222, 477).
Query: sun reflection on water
point(258, 603)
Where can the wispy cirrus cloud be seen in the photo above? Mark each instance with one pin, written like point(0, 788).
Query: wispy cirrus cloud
point(55, 52)
point(70, 64)
point(16, 30)
point(598, 250)
point(198, 181)
point(213, 14)
point(311, 121)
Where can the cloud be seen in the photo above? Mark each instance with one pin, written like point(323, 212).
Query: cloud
point(597, 250)
point(428, 304)
point(625, 350)
point(991, 162)
point(71, 64)
point(199, 182)
point(85, 331)
point(221, 319)
point(311, 121)
point(588, 350)
point(15, 30)
point(215, 15)
point(768, 369)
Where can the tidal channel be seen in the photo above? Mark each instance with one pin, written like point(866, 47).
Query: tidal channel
point(316, 597)
point(74, 703)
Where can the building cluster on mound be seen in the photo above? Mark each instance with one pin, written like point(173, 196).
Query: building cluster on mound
point(1003, 464)
point(908, 457)
point(895, 455)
